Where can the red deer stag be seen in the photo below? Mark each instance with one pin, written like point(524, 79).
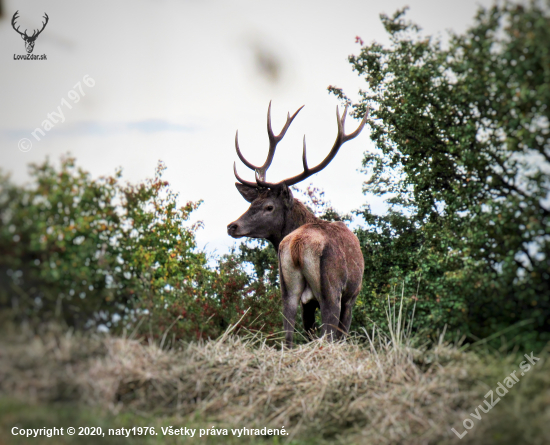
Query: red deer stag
point(320, 262)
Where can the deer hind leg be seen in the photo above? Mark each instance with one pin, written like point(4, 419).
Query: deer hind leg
point(331, 287)
point(324, 287)
point(308, 317)
point(345, 315)
point(293, 285)
point(330, 316)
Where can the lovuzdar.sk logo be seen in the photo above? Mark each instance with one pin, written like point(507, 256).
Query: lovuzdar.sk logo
point(29, 40)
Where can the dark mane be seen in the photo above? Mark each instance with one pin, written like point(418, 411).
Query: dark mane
point(302, 215)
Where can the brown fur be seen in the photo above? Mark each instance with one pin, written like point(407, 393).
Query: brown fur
point(296, 248)
point(301, 215)
point(302, 239)
point(335, 279)
point(320, 262)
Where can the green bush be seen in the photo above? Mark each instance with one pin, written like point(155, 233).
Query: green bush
point(90, 252)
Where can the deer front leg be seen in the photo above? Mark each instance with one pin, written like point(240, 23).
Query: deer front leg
point(308, 317)
point(290, 307)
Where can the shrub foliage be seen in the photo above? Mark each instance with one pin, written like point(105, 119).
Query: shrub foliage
point(92, 252)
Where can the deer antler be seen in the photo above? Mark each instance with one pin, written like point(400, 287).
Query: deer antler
point(35, 34)
point(273, 141)
point(341, 138)
point(14, 18)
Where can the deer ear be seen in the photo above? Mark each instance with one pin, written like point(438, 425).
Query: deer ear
point(247, 192)
point(287, 196)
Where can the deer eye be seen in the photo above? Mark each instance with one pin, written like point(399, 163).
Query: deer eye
point(269, 208)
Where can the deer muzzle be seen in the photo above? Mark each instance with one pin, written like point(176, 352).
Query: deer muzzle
point(233, 230)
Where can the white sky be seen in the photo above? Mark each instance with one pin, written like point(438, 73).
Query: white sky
point(176, 79)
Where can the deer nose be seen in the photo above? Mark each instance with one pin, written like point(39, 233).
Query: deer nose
point(232, 228)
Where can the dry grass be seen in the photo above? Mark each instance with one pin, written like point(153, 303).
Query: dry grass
point(382, 391)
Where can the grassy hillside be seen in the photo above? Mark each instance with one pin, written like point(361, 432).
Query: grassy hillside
point(367, 390)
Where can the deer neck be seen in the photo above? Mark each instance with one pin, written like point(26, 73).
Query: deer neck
point(294, 218)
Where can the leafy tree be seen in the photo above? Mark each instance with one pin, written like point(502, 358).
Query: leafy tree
point(261, 255)
point(463, 158)
point(82, 250)
point(314, 199)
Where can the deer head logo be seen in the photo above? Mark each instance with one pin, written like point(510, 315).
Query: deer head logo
point(29, 40)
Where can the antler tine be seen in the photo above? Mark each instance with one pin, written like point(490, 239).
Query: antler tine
point(350, 136)
point(272, 137)
point(14, 18)
point(273, 141)
point(241, 180)
point(341, 138)
point(240, 155)
point(304, 159)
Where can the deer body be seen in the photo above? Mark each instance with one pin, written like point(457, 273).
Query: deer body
point(320, 266)
point(320, 262)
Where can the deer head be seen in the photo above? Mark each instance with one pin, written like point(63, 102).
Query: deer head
point(266, 217)
point(29, 40)
point(271, 214)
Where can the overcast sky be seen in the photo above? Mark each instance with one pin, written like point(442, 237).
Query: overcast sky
point(174, 80)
